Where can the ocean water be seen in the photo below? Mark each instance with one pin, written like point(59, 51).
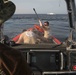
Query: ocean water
point(58, 24)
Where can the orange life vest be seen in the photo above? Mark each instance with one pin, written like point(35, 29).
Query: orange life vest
point(38, 28)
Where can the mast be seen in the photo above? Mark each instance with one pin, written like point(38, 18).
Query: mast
point(71, 16)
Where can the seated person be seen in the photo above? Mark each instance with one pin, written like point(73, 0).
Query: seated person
point(31, 36)
point(46, 29)
point(47, 34)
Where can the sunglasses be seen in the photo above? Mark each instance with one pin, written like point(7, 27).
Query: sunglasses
point(46, 25)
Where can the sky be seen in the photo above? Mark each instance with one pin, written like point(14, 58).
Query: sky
point(41, 6)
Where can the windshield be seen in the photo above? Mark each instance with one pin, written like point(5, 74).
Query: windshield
point(54, 11)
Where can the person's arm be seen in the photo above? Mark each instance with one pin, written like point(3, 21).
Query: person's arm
point(20, 39)
point(40, 23)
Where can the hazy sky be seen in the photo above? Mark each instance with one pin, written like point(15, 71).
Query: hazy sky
point(41, 6)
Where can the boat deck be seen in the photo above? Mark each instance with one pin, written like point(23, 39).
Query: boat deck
point(40, 46)
point(35, 54)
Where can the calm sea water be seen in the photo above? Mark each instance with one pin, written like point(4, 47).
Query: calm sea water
point(58, 23)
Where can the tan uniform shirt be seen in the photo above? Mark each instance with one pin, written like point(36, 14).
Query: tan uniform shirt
point(28, 37)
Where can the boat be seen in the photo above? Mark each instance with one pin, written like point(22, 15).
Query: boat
point(50, 58)
point(50, 13)
point(52, 39)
